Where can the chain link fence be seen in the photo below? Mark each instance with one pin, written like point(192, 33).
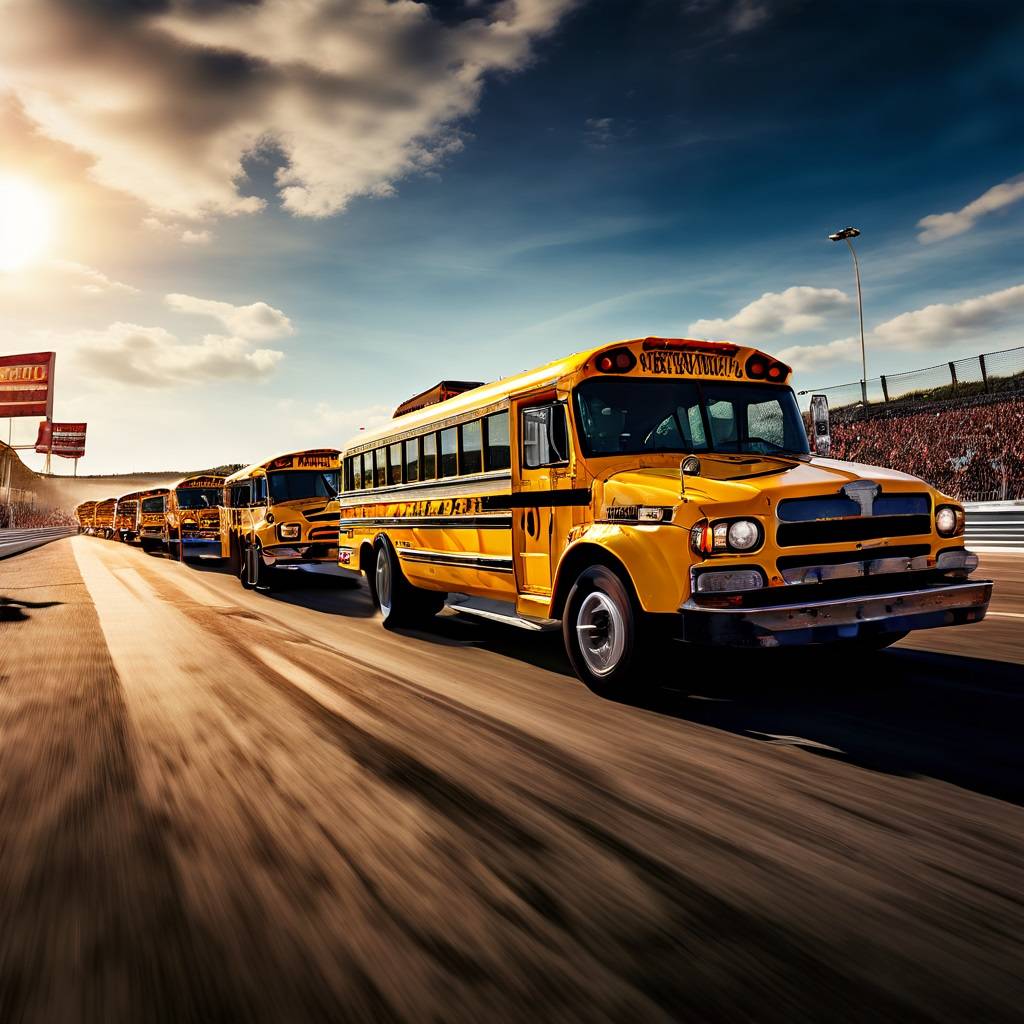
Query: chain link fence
point(994, 374)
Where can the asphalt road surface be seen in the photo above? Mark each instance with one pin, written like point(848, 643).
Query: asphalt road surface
point(217, 804)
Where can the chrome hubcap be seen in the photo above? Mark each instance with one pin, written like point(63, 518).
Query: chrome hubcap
point(601, 633)
point(383, 580)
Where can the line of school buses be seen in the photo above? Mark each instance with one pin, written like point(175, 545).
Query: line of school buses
point(653, 487)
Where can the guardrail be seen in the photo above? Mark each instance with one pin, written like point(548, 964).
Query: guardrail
point(13, 542)
point(995, 527)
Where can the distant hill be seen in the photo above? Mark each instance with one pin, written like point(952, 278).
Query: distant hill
point(69, 491)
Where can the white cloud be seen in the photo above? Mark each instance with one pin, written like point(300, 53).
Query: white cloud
point(257, 321)
point(799, 308)
point(89, 280)
point(169, 99)
point(942, 323)
point(152, 357)
point(190, 237)
point(934, 326)
point(938, 226)
point(747, 15)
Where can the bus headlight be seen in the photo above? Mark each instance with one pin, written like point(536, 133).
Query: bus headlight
point(949, 520)
point(727, 535)
point(289, 531)
point(742, 535)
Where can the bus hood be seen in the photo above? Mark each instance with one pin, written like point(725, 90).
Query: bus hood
point(753, 482)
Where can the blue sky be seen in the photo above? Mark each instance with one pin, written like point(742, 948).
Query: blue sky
point(591, 171)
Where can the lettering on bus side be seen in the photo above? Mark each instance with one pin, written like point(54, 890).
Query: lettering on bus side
point(694, 364)
point(315, 462)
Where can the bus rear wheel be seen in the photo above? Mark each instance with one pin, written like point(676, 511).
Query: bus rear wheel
point(600, 628)
point(400, 603)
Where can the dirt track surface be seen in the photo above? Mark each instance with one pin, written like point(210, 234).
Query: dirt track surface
point(220, 804)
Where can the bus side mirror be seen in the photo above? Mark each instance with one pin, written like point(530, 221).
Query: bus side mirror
point(822, 434)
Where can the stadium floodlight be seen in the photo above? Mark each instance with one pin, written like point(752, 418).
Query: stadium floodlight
point(847, 235)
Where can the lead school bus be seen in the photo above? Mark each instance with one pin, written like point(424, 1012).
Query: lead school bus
point(192, 517)
point(281, 514)
point(651, 484)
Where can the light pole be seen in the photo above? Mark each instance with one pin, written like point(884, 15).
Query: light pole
point(847, 235)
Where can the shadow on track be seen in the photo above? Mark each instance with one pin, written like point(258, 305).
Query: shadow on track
point(903, 712)
point(14, 611)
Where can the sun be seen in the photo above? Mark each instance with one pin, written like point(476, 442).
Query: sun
point(26, 222)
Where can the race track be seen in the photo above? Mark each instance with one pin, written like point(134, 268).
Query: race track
point(218, 804)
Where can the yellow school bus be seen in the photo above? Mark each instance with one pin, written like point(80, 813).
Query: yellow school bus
point(126, 517)
point(84, 513)
point(103, 518)
point(192, 517)
point(153, 518)
point(281, 514)
point(651, 486)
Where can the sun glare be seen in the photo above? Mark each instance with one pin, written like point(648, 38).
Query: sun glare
point(26, 222)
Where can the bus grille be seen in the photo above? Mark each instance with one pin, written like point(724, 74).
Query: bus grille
point(837, 531)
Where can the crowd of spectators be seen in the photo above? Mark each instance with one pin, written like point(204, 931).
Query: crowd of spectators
point(24, 516)
point(974, 453)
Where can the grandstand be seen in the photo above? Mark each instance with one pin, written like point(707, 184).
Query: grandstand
point(960, 424)
point(26, 499)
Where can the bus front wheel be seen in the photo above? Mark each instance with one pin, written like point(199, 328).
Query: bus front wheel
point(400, 603)
point(257, 575)
point(600, 628)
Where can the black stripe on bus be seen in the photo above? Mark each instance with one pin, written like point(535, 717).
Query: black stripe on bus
point(491, 563)
point(467, 522)
point(539, 499)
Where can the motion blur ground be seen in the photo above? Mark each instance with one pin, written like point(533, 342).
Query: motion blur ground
point(222, 804)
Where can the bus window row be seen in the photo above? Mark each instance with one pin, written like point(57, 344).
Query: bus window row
point(478, 446)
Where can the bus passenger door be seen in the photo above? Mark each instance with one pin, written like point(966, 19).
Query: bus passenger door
point(541, 472)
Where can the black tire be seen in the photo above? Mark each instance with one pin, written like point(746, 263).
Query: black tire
point(601, 627)
point(400, 603)
point(257, 574)
point(235, 560)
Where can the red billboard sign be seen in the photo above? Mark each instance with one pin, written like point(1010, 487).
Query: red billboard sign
point(67, 439)
point(26, 384)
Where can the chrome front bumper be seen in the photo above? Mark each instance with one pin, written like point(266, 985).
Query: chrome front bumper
point(817, 622)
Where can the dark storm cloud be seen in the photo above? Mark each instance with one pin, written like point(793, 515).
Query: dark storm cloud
point(168, 98)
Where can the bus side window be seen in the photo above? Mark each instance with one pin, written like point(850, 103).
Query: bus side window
point(394, 464)
point(354, 473)
point(449, 452)
point(240, 495)
point(545, 436)
point(367, 460)
point(380, 469)
point(470, 448)
point(430, 456)
point(259, 490)
point(412, 460)
point(496, 449)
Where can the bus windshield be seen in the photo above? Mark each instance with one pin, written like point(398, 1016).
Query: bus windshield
point(198, 497)
point(291, 484)
point(620, 416)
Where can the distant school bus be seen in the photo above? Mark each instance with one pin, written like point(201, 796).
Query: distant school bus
point(648, 488)
point(126, 517)
point(84, 513)
point(152, 518)
point(103, 518)
point(282, 514)
point(192, 517)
